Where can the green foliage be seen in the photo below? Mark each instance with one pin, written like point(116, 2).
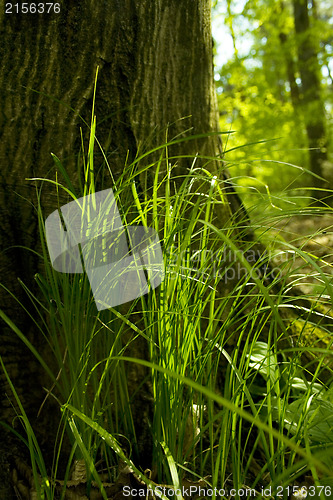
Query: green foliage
point(223, 388)
point(259, 92)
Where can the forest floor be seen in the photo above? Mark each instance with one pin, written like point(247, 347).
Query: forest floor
point(314, 236)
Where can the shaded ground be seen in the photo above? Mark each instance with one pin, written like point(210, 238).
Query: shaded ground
point(312, 235)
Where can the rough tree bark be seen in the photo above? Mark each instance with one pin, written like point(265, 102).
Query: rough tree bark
point(155, 68)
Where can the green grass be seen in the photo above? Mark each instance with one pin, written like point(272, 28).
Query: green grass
point(233, 403)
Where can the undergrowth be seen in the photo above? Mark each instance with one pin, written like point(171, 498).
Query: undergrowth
point(232, 400)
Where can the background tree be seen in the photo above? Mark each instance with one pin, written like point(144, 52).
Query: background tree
point(273, 103)
point(314, 109)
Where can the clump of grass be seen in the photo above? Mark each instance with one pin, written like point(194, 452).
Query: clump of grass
point(231, 400)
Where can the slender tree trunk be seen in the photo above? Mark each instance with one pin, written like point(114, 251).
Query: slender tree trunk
point(314, 111)
point(291, 71)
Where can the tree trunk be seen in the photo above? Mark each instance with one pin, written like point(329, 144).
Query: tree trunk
point(156, 69)
point(155, 82)
point(314, 111)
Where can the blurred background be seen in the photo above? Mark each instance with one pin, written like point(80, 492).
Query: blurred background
point(274, 80)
